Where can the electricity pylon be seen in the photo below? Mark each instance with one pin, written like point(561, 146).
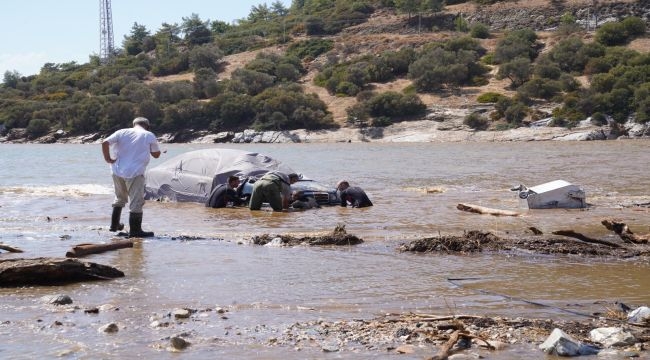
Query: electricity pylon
point(106, 47)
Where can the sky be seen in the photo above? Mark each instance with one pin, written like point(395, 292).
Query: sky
point(35, 32)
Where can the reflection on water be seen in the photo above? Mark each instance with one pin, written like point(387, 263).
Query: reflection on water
point(415, 188)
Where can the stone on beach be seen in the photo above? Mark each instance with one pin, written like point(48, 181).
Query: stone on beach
point(561, 344)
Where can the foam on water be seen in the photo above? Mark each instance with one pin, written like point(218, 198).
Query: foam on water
point(75, 190)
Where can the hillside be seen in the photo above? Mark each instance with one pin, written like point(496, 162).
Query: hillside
point(379, 34)
point(357, 80)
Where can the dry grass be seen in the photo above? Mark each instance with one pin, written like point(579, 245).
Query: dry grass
point(236, 61)
point(641, 45)
point(171, 78)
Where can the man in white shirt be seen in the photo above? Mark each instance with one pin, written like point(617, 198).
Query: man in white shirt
point(131, 150)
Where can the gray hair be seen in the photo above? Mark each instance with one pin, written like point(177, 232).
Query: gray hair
point(141, 121)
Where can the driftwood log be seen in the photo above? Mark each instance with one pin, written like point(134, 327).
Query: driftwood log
point(445, 351)
point(52, 271)
point(86, 249)
point(623, 231)
point(485, 210)
point(10, 249)
point(581, 237)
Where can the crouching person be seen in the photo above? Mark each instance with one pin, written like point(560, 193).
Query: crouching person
point(300, 201)
point(224, 195)
point(274, 188)
point(353, 195)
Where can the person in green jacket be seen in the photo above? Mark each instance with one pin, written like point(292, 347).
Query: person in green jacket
point(274, 188)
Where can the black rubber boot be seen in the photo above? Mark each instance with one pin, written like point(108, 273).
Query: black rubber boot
point(115, 219)
point(135, 226)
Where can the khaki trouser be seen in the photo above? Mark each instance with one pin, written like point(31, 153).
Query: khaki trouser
point(131, 191)
point(266, 191)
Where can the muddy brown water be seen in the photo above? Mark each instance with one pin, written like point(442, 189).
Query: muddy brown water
point(55, 196)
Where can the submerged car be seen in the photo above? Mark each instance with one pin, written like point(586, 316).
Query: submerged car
point(191, 176)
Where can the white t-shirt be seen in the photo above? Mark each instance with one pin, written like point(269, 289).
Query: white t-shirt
point(132, 150)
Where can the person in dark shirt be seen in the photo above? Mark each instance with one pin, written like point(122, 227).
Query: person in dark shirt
point(223, 194)
point(301, 201)
point(353, 195)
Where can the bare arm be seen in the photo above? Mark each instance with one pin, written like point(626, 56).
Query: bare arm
point(154, 149)
point(107, 153)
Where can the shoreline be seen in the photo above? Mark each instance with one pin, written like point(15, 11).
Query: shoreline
point(452, 130)
point(424, 131)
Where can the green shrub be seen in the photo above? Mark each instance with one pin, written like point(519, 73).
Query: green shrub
point(311, 48)
point(381, 121)
point(173, 92)
point(539, 88)
point(564, 54)
point(205, 83)
point(285, 107)
point(250, 81)
point(598, 119)
point(399, 61)
point(612, 34)
point(488, 59)
point(37, 128)
point(502, 105)
point(490, 97)
point(460, 24)
point(515, 113)
point(634, 26)
point(476, 121)
point(642, 103)
point(118, 114)
point(548, 71)
point(234, 109)
point(453, 65)
point(479, 31)
point(347, 88)
point(171, 65)
point(205, 56)
point(603, 83)
point(517, 43)
point(597, 66)
point(517, 70)
point(358, 113)
point(410, 90)
point(331, 77)
point(393, 105)
point(568, 83)
point(504, 126)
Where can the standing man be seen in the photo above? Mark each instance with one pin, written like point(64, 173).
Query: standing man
point(275, 188)
point(352, 194)
point(223, 194)
point(132, 148)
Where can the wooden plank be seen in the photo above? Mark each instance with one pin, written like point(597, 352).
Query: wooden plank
point(87, 249)
point(485, 210)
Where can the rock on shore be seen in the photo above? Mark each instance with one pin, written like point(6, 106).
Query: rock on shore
point(443, 126)
point(451, 130)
